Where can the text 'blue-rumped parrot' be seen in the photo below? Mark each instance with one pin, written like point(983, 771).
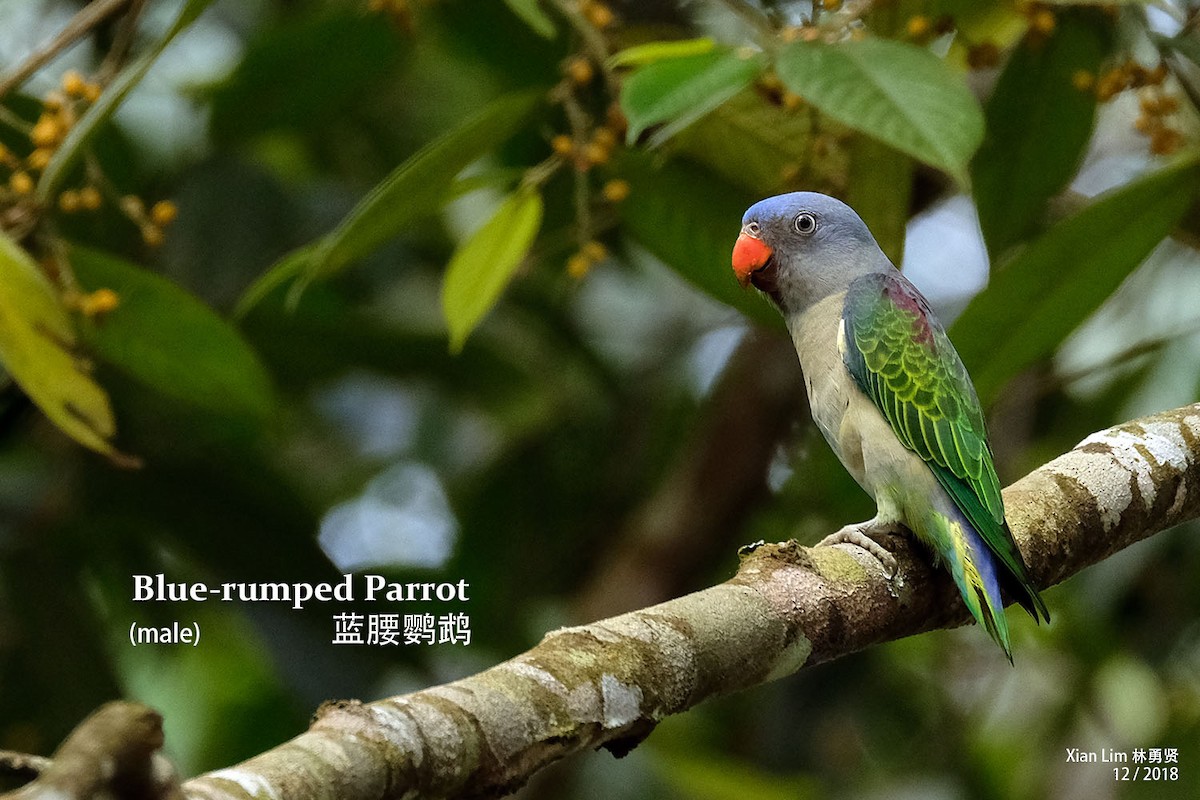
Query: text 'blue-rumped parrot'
point(890, 395)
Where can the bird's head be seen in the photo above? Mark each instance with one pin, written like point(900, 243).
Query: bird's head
point(801, 247)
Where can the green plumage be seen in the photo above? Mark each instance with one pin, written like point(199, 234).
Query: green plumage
point(900, 356)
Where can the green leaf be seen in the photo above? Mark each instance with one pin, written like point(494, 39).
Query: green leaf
point(896, 92)
point(689, 219)
point(1056, 282)
point(756, 144)
point(879, 188)
point(485, 262)
point(81, 133)
point(1038, 127)
point(678, 91)
point(647, 53)
point(37, 345)
point(289, 268)
point(417, 188)
point(533, 16)
point(172, 343)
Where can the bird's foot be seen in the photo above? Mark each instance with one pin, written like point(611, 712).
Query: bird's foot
point(858, 536)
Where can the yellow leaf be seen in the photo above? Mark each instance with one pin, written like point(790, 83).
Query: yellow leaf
point(485, 262)
point(37, 347)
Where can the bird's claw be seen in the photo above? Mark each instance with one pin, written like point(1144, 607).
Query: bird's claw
point(856, 535)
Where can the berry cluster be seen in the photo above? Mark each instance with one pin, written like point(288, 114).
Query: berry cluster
point(61, 109)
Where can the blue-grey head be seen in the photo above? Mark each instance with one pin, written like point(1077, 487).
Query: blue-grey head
point(801, 247)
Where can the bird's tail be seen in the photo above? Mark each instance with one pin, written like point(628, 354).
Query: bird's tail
point(974, 568)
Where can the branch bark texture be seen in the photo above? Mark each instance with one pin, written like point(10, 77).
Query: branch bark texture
point(608, 684)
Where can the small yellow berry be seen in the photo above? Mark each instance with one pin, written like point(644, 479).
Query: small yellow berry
point(594, 153)
point(770, 82)
point(562, 144)
point(46, 133)
point(20, 182)
point(918, 26)
point(99, 302)
point(599, 15)
point(1110, 84)
point(68, 201)
point(89, 198)
point(578, 265)
point(605, 137)
point(792, 101)
point(1145, 124)
point(91, 92)
point(152, 235)
point(38, 159)
point(133, 207)
point(1043, 21)
point(1164, 141)
point(73, 83)
point(163, 213)
point(615, 190)
point(580, 70)
point(1083, 80)
point(594, 251)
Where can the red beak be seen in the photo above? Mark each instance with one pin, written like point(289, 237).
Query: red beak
point(749, 254)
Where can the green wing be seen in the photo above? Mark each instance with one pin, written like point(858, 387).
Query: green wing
point(900, 356)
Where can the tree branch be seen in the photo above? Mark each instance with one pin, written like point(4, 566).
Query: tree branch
point(112, 753)
point(788, 607)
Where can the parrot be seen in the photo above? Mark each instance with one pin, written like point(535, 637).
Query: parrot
point(890, 395)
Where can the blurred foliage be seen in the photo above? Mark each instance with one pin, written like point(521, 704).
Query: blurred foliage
point(440, 289)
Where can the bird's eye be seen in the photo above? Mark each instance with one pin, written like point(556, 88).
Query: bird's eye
point(752, 228)
point(805, 223)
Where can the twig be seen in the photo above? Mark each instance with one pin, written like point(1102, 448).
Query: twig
point(577, 118)
point(22, 764)
point(114, 752)
point(122, 42)
point(80, 25)
point(593, 42)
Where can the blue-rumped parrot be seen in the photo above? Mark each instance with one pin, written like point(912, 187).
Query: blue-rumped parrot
point(890, 395)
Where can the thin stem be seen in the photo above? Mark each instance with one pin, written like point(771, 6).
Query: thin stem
point(577, 118)
point(88, 17)
point(122, 42)
point(593, 42)
point(7, 117)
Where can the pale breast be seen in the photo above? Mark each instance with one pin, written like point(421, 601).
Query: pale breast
point(846, 416)
point(831, 390)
